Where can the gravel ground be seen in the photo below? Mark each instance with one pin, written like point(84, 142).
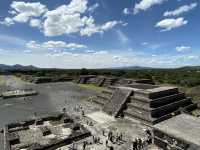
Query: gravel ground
point(52, 97)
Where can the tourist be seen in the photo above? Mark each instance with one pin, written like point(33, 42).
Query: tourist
point(106, 143)
point(135, 144)
point(140, 143)
point(149, 140)
point(103, 132)
point(111, 148)
point(83, 113)
point(84, 145)
point(121, 136)
point(64, 110)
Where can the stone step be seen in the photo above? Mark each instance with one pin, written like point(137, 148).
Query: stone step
point(103, 96)
point(191, 107)
point(160, 111)
point(156, 92)
point(167, 99)
point(157, 101)
point(171, 107)
point(98, 101)
point(146, 119)
point(107, 92)
point(117, 101)
point(147, 106)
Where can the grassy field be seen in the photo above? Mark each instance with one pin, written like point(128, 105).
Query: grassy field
point(92, 87)
point(2, 80)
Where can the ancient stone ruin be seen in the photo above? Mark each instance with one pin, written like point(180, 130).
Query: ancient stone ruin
point(149, 104)
point(109, 81)
point(49, 132)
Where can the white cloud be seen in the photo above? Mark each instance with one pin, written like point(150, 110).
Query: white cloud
point(22, 12)
point(169, 24)
point(90, 51)
point(65, 19)
point(183, 48)
point(180, 10)
point(100, 52)
point(99, 59)
point(25, 11)
point(35, 23)
point(54, 45)
point(144, 43)
point(126, 11)
point(109, 25)
point(93, 7)
point(32, 44)
point(146, 4)
point(7, 21)
point(92, 28)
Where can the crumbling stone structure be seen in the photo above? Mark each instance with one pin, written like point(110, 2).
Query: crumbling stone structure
point(45, 79)
point(109, 81)
point(52, 132)
point(149, 104)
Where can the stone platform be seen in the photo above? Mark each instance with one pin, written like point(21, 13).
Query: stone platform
point(18, 93)
point(149, 104)
point(180, 132)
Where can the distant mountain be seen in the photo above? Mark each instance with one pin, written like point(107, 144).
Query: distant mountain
point(132, 68)
point(4, 68)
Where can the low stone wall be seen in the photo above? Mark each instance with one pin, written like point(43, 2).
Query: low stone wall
point(166, 141)
point(78, 132)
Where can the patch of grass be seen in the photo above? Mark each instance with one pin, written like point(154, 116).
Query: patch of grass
point(2, 80)
point(92, 87)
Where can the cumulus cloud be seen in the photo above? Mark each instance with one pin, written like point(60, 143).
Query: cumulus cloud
point(91, 28)
point(24, 11)
point(35, 23)
point(7, 21)
point(54, 45)
point(126, 11)
point(146, 4)
point(180, 10)
point(65, 19)
point(169, 24)
point(183, 48)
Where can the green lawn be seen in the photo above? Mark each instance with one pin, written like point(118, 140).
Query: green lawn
point(92, 87)
point(2, 80)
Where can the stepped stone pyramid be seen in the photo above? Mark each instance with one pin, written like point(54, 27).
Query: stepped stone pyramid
point(149, 104)
point(109, 81)
point(117, 101)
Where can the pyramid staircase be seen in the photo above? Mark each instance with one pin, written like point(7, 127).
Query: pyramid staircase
point(149, 105)
point(104, 97)
point(117, 101)
point(155, 105)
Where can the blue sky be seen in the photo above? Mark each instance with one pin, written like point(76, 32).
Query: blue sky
point(100, 33)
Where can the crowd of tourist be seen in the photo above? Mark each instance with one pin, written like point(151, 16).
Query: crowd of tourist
point(141, 144)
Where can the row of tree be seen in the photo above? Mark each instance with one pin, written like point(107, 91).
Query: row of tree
point(188, 77)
